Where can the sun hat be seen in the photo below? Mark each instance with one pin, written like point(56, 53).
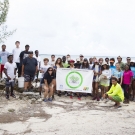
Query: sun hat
point(71, 61)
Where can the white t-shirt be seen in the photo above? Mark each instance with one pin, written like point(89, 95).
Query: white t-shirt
point(44, 69)
point(16, 53)
point(52, 63)
point(38, 60)
point(107, 73)
point(10, 69)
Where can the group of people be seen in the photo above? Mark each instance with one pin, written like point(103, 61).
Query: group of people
point(111, 81)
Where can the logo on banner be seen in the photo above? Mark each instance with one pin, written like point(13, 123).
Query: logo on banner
point(74, 80)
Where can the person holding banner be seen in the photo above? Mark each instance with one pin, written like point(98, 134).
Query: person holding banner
point(97, 71)
point(48, 79)
point(115, 93)
point(105, 78)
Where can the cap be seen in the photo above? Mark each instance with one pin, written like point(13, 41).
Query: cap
point(72, 61)
point(81, 55)
point(77, 59)
point(10, 54)
point(104, 63)
point(85, 59)
point(68, 59)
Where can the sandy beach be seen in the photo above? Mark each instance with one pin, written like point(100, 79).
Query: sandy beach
point(65, 116)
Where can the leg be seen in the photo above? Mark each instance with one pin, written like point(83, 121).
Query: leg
point(46, 91)
point(12, 88)
point(116, 101)
point(96, 90)
point(26, 82)
point(51, 91)
point(106, 89)
point(102, 91)
point(134, 90)
point(94, 94)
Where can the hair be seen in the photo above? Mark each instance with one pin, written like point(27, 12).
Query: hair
point(85, 66)
point(52, 55)
point(119, 57)
point(49, 69)
point(17, 42)
point(101, 59)
point(114, 78)
point(3, 45)
point(68, 55)
point(27, 46)
point(112, 59)
point(128, 66)
point(46, 59)
point(102, 67)
point(36, 51)
point(106, 58)
point(60, 62)
point(128, 58)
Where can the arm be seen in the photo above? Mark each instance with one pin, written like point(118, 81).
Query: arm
point(22, 70)
point(110, 73)
point(45, 81)
point(115, 92)
point(5, 71)
point(110, 91)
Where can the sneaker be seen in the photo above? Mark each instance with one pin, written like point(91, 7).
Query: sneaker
point(13, 95)
point(94, 98)
point(7, 97)
point(59, 94)
point(45, 100)
point(25, 90)
point(50, 99)
point(71, 97)
point(79, 98)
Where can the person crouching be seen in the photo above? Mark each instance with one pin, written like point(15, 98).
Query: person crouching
point(49, 79)
point(115, 93)
point(10, 72)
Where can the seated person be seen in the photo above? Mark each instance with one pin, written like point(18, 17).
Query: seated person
point(49, 80)
point(115, 93)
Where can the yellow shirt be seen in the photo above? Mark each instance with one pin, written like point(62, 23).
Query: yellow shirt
point(116, 91)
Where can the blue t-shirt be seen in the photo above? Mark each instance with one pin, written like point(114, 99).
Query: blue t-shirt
point(133, 70)
point(117, 73)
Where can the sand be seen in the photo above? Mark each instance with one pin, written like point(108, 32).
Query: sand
point(65, 116)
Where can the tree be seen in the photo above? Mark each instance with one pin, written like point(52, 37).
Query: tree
point(4, 7)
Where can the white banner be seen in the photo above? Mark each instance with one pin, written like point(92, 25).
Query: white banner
point(75, 80)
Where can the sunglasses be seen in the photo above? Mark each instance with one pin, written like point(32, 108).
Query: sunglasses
point(50, 70)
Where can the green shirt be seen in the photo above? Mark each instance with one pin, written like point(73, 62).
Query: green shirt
point(116, 91)
point(122, 66)
point(65, 65)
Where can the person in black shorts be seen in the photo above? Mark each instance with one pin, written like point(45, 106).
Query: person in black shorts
point(49, 79)
point(29, 69)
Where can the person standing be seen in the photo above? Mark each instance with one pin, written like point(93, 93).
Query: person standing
point(91, 62)
point(29, 69)
point(22, 56)
point(127, 82)
point(112, 61)
point(16, 52)
point(107, 60)
point(52, 62)
point(64, 63)
point(85, 64)
point(77, 64)
point(122, 65)
point(128, 61)
point(10, 72)
point(3, 56)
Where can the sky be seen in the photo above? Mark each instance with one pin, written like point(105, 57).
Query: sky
point(89, 27)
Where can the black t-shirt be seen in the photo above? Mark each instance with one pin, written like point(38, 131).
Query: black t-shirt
point(23, 55)
point(48, 77)
point(77, 65)
point(30, 66)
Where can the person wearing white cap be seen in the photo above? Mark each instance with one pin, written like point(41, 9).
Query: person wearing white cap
point(81, 58)
point(105, 78)
point(77, 64)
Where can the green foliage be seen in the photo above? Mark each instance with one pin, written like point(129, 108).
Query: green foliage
point(74, 79)
point(4, 7)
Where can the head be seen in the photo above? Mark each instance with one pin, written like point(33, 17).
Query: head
point(101, 61)
point(72, 63)
point(58, 62)
point(85, 63)
point(10, 58)
point(127, 67)
point(27, 47)
point(118, 67)
point(3, 47)
point(37, 53)
point(46, 60)
point(114, 81)
point(94, 58)
point(119, 59)
point(17, 43)
point(132, 63)
point(64, 59)
point(68, 56)
point(90, 60)
point(30, 54)
point(107, 60)
point(128, 59)
point(81, 57)
point(50, 70)
point(104, 66)
point(53, 57)
point(112, 61)
point(96, 62)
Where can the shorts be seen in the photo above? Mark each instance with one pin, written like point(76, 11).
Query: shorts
point(116, 98)
point(2, 68)
point(105, 83)
point(9, 84)
point(28, 78)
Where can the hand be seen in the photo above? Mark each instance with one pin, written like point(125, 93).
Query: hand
point(105, 95)
point(9, 78)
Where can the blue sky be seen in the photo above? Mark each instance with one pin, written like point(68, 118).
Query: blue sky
point(89, 27)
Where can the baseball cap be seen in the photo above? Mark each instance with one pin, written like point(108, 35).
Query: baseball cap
point(81, 55)
point(77, 59)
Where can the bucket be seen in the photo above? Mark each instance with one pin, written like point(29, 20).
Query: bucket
point(21, 82)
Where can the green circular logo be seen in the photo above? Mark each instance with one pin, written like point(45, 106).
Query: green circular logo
point(74, 79)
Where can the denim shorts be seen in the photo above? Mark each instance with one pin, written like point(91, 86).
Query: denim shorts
point(9, 84)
